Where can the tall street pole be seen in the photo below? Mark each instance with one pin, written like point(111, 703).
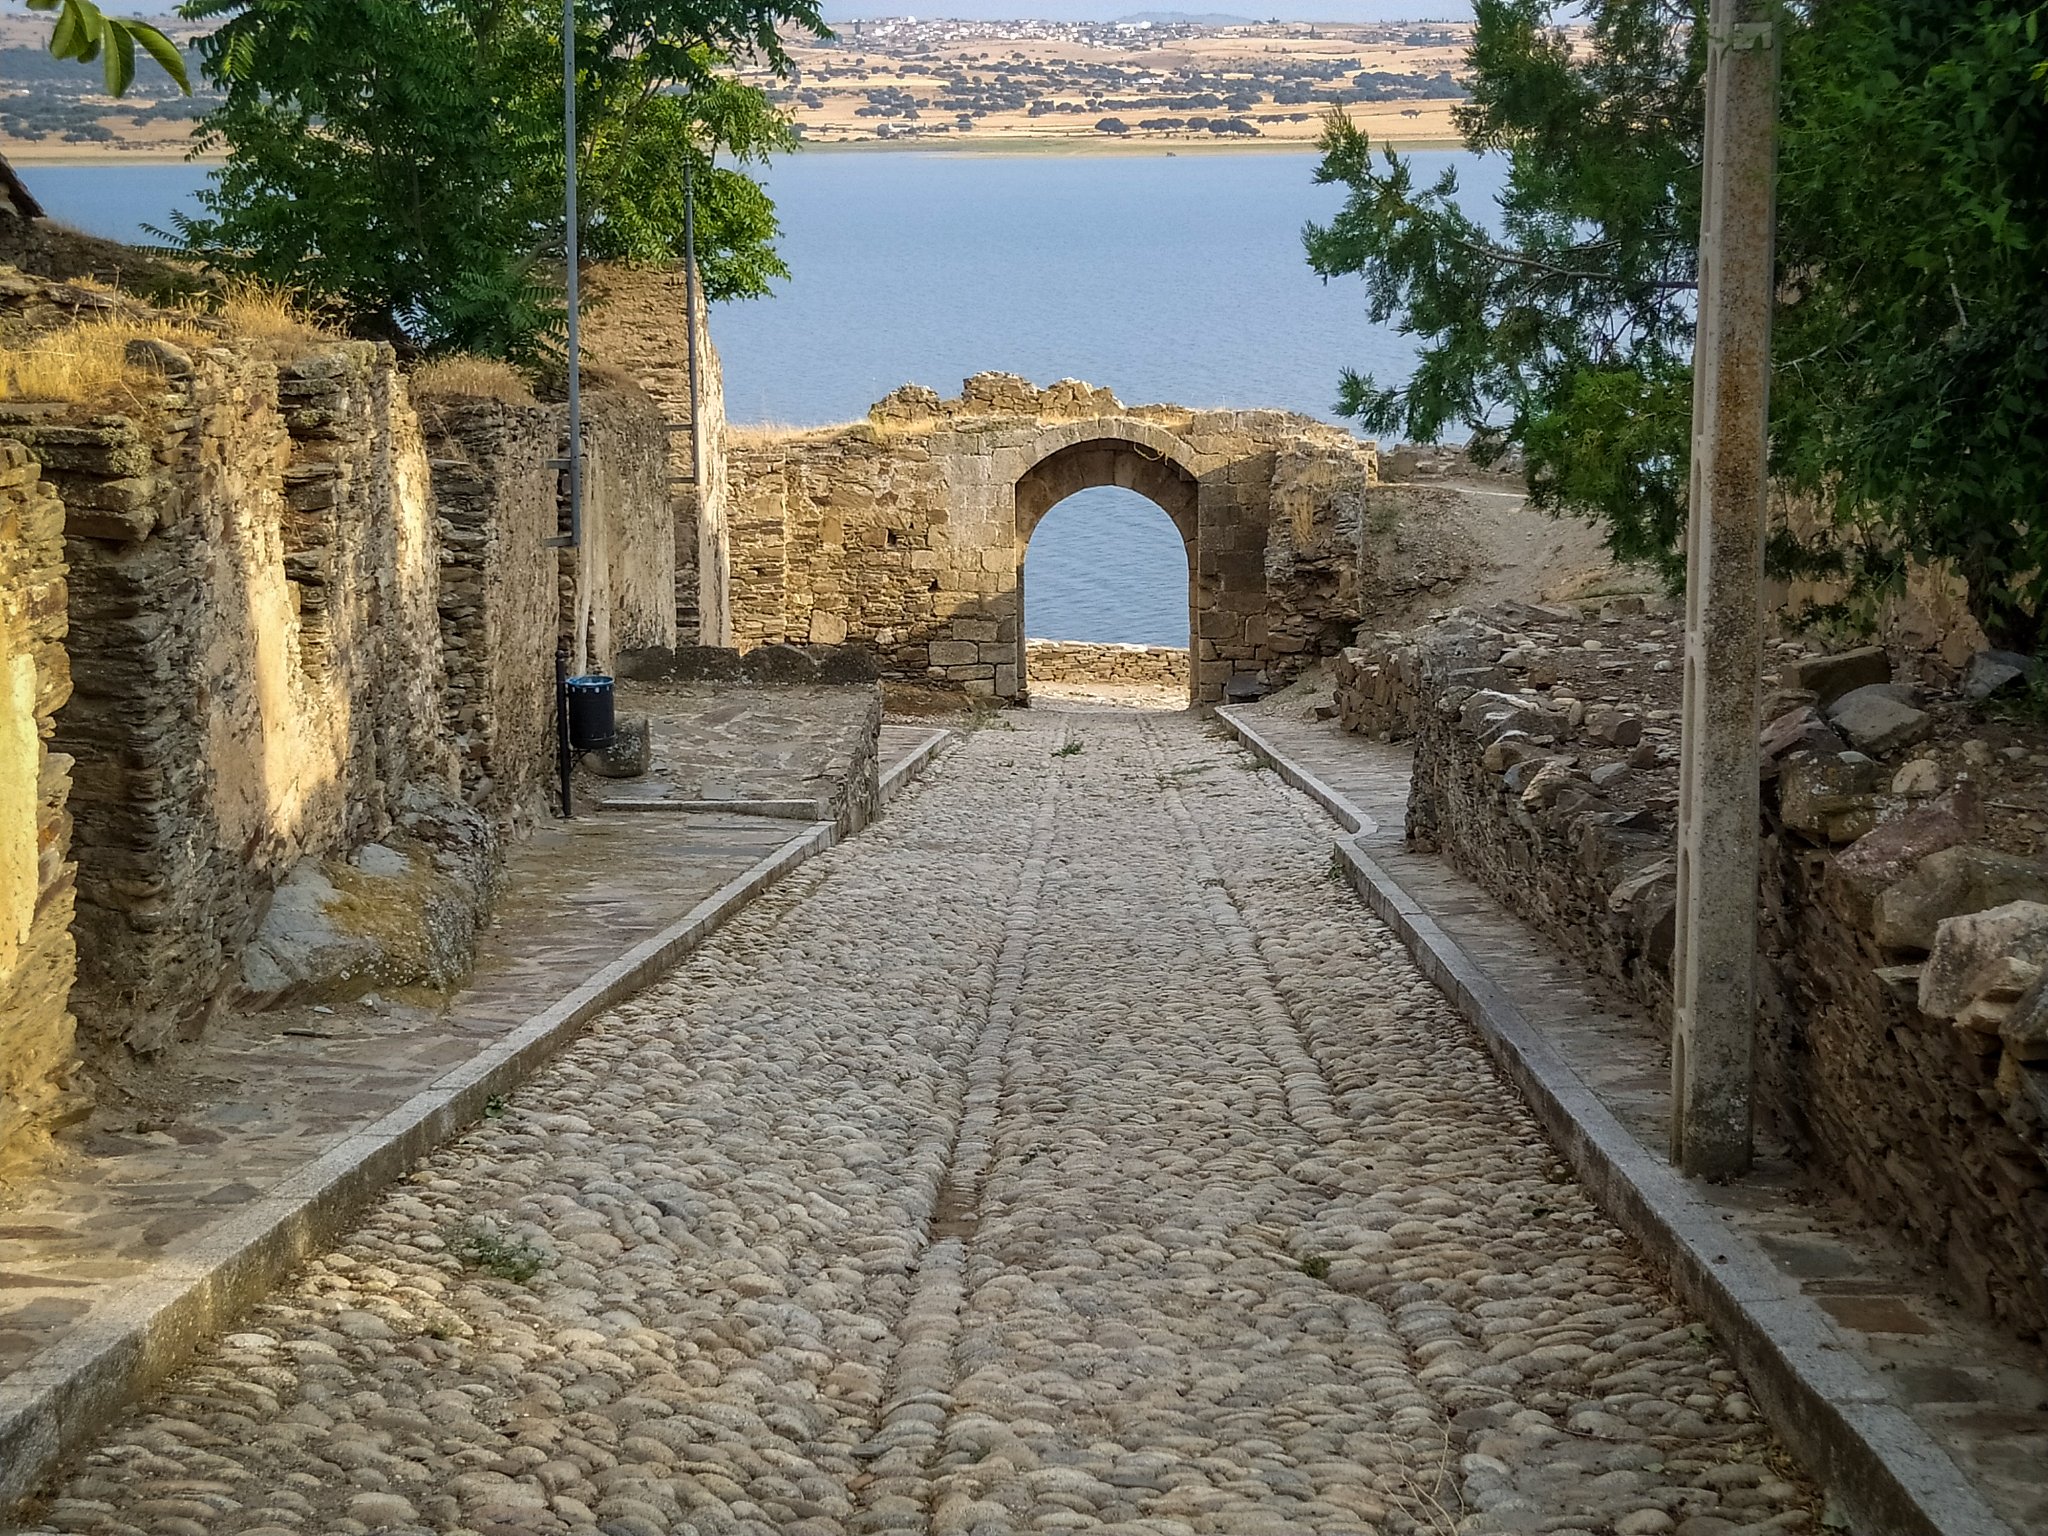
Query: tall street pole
point(572, 243)
point(690, 303)
point(1714, 966)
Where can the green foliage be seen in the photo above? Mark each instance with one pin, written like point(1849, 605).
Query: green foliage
point(404, 158)
point(83, 32)
point(1911, 344)
point(1912, 378)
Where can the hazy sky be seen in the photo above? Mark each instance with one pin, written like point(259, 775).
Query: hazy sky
point(1110, 10)
point(1075, 10)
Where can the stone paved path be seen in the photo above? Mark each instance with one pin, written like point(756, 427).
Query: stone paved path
point(1067, 1152)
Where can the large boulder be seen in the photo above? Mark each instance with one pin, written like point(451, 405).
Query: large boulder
point(401, 912)
point(1952, 883)
point(1983, 962)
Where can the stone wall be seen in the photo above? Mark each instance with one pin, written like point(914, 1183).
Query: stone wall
point(906, 533)
point(1546, 748)
point(636, 324)
point(495, 501)
point(257, 662)
point(37, 956)
point(619, 589)
point(1089, 661)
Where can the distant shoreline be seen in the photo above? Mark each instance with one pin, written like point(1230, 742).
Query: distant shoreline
point(1050, 147)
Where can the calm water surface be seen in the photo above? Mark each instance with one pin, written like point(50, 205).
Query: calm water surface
point(1168, 278)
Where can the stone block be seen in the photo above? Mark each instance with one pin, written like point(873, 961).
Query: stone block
point(1613, 727)
point(1830, 796)
point(1829, 677)
point(1995, 671)
point(952, 653)
point(1984, 958)
point(1883, 856)
point(1952, 882)
point(1877, 721)
point(1799, 729)
point(629, 754)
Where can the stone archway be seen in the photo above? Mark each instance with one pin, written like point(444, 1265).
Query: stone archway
point(905, 533)
point(1150, 462)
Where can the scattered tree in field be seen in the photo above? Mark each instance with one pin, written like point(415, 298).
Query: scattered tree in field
point(1910, 389)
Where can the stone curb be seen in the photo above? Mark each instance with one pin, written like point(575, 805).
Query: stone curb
point(1884, 1471)
point(776, 810)
point(899, 775)
point(68, 1391)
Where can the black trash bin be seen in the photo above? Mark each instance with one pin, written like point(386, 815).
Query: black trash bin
point(591, 725)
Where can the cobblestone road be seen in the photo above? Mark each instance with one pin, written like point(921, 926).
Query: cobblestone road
point(1067, 1152)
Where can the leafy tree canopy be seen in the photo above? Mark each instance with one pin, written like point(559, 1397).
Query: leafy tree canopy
point(404, 158)
point(1910, 387)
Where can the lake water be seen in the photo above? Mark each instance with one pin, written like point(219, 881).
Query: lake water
point(1166, 277)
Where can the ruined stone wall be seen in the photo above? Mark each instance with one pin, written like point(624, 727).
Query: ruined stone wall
point(1546, 751)
point(906, 533)
point(256, 656)
point(495, 500)
point(636, 324)
point(1088, 661)
point(37, 956)
point(620, 586)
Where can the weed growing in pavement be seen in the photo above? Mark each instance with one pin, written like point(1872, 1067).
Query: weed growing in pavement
point(1316, 1267)
point(494, 1107)
point(478, 1245)
point(1068, 750)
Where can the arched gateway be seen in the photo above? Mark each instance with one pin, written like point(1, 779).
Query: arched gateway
point(907, 532)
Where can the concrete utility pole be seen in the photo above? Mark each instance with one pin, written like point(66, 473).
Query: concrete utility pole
point(1714, 967)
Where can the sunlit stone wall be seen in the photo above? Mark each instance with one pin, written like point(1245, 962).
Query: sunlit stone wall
point(37, 956)
point(257, 659)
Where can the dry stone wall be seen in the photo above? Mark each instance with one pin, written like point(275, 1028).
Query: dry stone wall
point(636, 324)
point(1087, 661)
point(499, 605)
point(906, 533)
point(254, 573)
point(619, 588)
point(38, 958)
point(1546, 747)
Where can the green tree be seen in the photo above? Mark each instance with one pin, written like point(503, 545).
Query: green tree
point(85, 33)
point(1907, 396)
point(403, 159)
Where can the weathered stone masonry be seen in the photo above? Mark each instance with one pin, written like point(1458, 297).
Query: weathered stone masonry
point(37, 956)
point(907, 533)
point(296, 627)
point(255, 657)
point(1547, 772)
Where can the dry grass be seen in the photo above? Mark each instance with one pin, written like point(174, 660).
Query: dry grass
point(474, 377)
point(264, 313)
point(761, 434)
point(88, 362)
